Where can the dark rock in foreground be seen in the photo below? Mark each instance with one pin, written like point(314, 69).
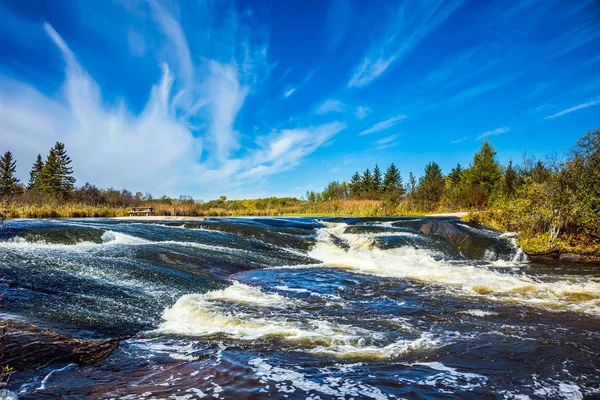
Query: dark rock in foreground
point(25, 346)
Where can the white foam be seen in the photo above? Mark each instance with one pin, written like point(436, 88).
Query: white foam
point(289, 381)
point(576, 294)
point(218, 313)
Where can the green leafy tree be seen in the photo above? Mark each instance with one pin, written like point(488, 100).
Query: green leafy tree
point(9, 184)
point(35, 173)
point(431, 187)
point(583, 171)
point(392, 183)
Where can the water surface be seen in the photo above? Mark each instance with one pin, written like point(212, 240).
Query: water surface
point(302, 308)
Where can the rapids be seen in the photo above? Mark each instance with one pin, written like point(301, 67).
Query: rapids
point(251, 308)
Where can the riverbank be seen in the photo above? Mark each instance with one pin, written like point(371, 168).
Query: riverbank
point(533, 244)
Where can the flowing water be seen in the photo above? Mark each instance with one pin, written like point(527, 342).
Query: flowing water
point(302, 308)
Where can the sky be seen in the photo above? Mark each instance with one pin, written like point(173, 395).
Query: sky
point(274, 98)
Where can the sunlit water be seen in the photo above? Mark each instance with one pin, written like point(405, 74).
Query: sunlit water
point(301, 308)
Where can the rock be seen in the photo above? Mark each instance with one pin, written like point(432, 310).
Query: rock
point(570, 257)
point(24, 346)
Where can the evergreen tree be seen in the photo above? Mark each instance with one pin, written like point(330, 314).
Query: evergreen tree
point(35, 172)
point(377, 185)
point(9, 184)
point(455, 175)
point(392, 182)
point(56, 175)
point(355, 185)
point(412, 182)
point(366, 182)
point(484, 175)
point(509, 183)
point(431, 186)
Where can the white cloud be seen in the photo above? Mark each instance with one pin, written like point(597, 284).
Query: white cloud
point(493, 132)
point(183, 140)
point(385, 140)
point(361, 112)
point(331, 105)
point(574, 108)
point(406, 28)
point(289, 92)
point(462, 139)
point(383, 125)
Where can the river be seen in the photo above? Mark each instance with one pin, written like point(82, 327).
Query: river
point(302, 308)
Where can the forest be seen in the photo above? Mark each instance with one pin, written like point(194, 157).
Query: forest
point(554, 203)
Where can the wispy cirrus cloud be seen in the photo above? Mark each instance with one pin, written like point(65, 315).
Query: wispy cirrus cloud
point(331, 105)
point(462, 139)
point(383, 125)
point(574, 108)
point(289, 92)
point(361, 112)
point(493, 132)
point(386, 140)
point(184, 139)
point(406, 29)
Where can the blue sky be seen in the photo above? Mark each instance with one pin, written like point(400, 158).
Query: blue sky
point(258, 98)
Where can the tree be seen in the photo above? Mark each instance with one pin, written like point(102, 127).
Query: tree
point(509, 183)
point(392, 183)
point(366, 182)
point(412, 182)
point(377, 183)
point(9, 184)
point(35, 172)
point(455, 175)
point(484, 175)
point(355, 185)
point(431, 187)
point(56, 175)
point(583, 171)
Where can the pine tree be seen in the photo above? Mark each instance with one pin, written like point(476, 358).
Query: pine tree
point(56, 175)
point(431, 186)
point(412, 182)
point(355, 185)
point(455, 175)
point(65, 171)
point(9, 184)
point(377, 185)
point(485, 173)
point(366, 182)
point(392, 182)
point(35, 172)
point(509, 184)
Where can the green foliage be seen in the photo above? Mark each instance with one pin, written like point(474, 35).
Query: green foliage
point(377, 182)
point(35, 173)
point(392, 184)
point(56, 176)
point(431, 188)
point(9, 184)
point(483, 177)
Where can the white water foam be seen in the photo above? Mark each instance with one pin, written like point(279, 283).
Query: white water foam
point(574, 294)
point(211, 314)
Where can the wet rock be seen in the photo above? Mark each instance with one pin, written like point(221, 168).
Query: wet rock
point(473, 244)
point(570, 257)
point(25, 346)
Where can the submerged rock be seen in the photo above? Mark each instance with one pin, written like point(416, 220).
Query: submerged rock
point(25, 346)
point(570, 257)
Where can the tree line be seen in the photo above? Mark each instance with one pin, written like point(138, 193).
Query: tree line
point(549, 195)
